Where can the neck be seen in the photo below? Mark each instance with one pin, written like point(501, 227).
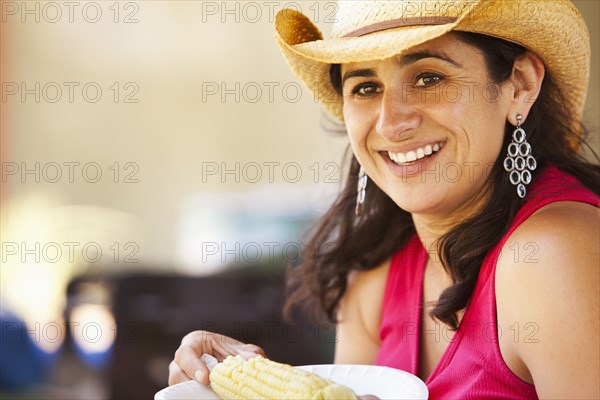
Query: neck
point(431, 227)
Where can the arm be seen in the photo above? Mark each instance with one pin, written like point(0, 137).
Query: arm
point(556, 291)
point(360, 316)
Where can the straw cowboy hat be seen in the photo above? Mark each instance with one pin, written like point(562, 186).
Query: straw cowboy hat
point(375, 30)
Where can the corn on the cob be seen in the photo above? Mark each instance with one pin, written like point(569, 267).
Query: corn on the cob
point(260, 378)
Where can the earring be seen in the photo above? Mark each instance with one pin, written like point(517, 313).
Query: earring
point(519, 163)
point(361, 190)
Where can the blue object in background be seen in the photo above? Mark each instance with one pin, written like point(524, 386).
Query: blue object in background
point(96, 360)
point(22, 363)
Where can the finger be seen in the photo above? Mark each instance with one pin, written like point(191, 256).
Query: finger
point(219, 346)
point(248, 351)
point(189, 361)
point(222, 346)
point(176, 375)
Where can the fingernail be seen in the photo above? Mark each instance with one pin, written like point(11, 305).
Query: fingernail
point(199, 375)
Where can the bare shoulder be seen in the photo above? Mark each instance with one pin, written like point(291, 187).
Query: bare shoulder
point(565, 213)
point(554, 252)
point(360, 316)
point(360, 281)
point(567, 231)
point(548, 281)
point(365, 294)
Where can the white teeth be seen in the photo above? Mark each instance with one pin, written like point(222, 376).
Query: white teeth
point(416, 154)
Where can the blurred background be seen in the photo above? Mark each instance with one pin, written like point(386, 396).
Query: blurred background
point(160, 168)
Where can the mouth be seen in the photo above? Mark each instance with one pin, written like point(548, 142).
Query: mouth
point(415, 156)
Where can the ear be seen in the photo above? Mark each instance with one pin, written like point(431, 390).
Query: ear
point(527, 76)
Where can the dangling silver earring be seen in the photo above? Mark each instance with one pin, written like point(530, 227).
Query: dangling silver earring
point(362, 191)
point(519, 163)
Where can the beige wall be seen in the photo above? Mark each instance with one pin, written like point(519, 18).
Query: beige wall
point(169, 57)
point(591, 13)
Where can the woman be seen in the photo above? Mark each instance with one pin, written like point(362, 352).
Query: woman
point(472, 260)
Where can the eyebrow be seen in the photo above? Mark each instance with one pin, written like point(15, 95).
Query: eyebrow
point(411, 58)
point(361, 73)
point(403, 61)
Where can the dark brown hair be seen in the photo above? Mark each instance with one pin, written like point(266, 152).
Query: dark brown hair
point(342, 242)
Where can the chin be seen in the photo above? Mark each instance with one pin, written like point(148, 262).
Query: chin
point(418, 203)
point(423, 198)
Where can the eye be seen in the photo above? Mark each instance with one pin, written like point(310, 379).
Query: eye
point(428, 79)
point(366, 89)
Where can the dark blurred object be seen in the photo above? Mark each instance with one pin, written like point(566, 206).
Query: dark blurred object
point(153, 313)
point(23, 365)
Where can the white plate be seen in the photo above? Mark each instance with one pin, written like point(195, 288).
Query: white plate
point(383, 382)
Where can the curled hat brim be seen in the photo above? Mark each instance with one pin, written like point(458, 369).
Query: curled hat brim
point(556, 33)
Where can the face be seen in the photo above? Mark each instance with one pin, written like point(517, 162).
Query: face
point(426, 125)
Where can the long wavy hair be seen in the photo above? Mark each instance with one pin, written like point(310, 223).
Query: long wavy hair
point(341, 242)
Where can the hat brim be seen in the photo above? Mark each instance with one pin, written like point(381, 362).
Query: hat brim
point(561, 39)
point(310, 60)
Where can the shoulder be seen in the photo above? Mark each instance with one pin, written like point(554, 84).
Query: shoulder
point(365, 295)
point(567, 231)
point(359, 316)
point(554, 252)
point(359, 281)
point(547, 279)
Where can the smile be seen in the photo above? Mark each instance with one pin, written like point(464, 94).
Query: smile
point(416, 154)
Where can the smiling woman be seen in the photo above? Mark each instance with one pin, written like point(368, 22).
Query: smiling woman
point(390, 141)
point(476, 219)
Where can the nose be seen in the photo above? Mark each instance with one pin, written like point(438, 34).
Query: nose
point(398, 118)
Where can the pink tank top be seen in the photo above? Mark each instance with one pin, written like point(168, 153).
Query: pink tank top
point(472, 366)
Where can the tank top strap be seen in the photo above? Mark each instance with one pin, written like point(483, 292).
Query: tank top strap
point(476, 352)
point(552, 186)
point(401, 310)
point(472, 366)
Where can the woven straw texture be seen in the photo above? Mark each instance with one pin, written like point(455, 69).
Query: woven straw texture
point(553, 29)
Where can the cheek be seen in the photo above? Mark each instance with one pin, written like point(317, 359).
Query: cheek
point(491, 120)
point(356, 125)
point(481, 125)
point(484, 141)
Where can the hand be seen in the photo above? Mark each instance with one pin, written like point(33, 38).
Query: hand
point(187, 364)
